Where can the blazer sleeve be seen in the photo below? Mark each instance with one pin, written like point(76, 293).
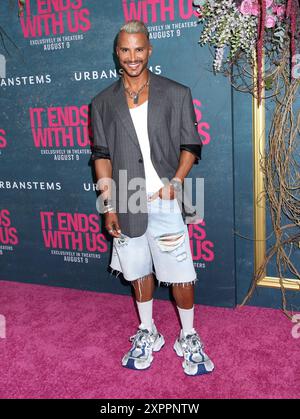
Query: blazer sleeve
point(190, 139)
point(100, 148)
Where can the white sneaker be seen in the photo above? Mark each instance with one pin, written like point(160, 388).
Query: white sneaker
point(195, 362)
point(144, 343)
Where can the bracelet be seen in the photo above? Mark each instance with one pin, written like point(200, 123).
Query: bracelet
point(177, 184)
point(108, 206)
point(107, 202)
point(98, 186)
point(109, 209)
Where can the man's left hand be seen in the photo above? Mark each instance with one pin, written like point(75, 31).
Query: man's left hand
point(166, 192)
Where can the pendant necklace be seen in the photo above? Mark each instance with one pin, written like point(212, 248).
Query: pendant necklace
point(135, 95)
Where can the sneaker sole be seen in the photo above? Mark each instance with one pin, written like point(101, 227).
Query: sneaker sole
point(202, 368)
point(130, 363)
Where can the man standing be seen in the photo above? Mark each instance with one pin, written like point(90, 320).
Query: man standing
point(145, 129)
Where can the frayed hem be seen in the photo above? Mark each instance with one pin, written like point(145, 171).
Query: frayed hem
point(113, 271)
point(140, 280)
point(177, 284)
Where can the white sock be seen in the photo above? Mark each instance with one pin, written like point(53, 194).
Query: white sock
point(187, 320)
point(145, 311)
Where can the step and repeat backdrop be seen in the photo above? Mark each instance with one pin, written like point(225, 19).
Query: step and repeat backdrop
point(53, 60)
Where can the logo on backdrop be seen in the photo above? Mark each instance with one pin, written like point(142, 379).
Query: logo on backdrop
point(74, 236)
point(30, 185)
point(170, 19)
point(3, 140)
point(27, 80)
point(8, 233)
point(203, 127)
point(108, 74)
point(20, 80)
point(61, 132)
point(55, 25)
point(201, 248)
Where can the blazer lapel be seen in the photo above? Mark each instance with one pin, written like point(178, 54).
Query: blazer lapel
point(121, 106)
point(154, 105)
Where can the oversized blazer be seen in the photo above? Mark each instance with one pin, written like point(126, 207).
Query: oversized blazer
point(172, 127)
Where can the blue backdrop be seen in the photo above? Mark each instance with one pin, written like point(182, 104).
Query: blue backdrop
point(58, 56)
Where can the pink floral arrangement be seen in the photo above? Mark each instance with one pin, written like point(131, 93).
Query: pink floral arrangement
point(274, 12)
point(246, 25)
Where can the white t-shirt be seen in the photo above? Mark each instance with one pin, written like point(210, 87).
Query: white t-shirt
point(139, 118)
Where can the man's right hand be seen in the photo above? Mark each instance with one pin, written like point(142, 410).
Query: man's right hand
point(112, 224)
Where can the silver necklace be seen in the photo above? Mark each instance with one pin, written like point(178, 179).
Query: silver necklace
point(135, 95)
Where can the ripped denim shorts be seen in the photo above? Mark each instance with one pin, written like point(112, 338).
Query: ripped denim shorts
point(165, 245)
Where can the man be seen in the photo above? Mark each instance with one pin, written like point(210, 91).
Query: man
point(144, 128)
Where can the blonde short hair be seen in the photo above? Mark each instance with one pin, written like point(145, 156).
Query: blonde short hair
point(134, 26)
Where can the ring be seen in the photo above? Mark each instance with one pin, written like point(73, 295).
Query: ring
point(110, 231)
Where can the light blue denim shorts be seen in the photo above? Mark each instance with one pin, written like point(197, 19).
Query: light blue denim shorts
point(165, 246)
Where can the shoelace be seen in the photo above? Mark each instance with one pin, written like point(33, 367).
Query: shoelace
point(193, 343)
point(141, 338)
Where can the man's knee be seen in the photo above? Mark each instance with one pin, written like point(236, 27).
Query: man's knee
point(143, 286)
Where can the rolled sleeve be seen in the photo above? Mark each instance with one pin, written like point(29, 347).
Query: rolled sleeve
point(190, 139)
point(195, 149)
point(100, 148)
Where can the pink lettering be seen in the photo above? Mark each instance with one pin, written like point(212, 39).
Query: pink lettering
point(55, 17)
point(76, 231)
point(78, 222)
point(203, 133)
point(190, 9)
point(202, 125)
point(57, 24)
point(153, 4)
point(5, 218)
point(3, 142)
point(60, 126)
point(137, 11)
point(85, 24)
point(29, 26)
point(196, 231)
point(201, 250)
point(208, 254)
point(8, 233)
point(61, 137)
point(46, 220)
point(28, 8)
point(8, 236)
point(154, 10)
point(170, 10)
point(67, 116)
point(36, 114)
point(50, 6)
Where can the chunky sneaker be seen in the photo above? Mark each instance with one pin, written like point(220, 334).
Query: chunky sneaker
point(195, 362)
point(144, 343)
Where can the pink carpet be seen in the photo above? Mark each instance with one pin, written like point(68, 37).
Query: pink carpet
point(63, 343)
